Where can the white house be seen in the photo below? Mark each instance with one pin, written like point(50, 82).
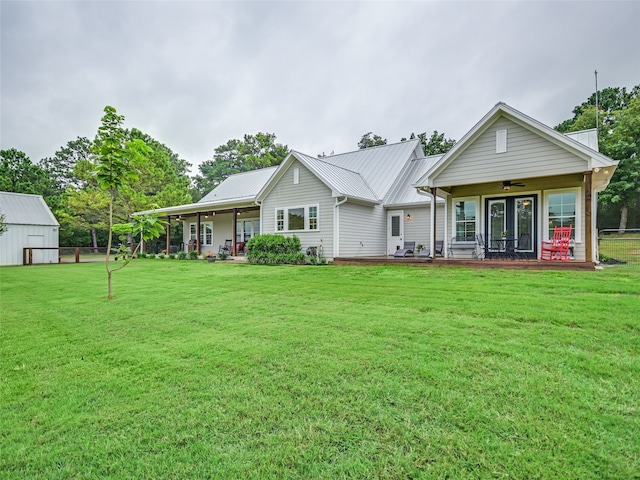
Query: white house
point(510, 173)
point(30, 224)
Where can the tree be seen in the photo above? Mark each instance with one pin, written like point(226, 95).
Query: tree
point(436, 144)
point(369, 140)
point(116, 165)
point(619, 138)
point(624, 144)
point(235, 156)
point(61, 166)
point(20, 175)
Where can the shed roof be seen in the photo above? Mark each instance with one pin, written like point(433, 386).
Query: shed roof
point(244, 185)
point(26, 209)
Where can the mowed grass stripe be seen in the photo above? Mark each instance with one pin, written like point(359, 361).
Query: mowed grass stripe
point(200, 370)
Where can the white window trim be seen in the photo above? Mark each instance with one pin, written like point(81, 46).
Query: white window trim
point(577, 228)
point(202, 224)
point(306, 218)
point(454, 223)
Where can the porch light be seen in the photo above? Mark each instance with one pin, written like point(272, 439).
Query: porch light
point(408, 216)
point(506, 188)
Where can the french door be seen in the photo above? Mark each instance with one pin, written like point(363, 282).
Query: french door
point(512, 218)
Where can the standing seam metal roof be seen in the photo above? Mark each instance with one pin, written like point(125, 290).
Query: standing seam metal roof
point(25, 209)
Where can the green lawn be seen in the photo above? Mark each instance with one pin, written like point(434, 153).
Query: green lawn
point(199, 370)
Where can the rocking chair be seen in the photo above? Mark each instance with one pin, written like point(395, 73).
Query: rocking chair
point(558, 247)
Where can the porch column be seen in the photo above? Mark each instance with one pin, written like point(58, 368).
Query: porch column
point(168, 234)
point(235, 231)
point(588, 217)
point(434, 208)
point(198, 234)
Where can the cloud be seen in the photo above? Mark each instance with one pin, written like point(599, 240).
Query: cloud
point(317, 74)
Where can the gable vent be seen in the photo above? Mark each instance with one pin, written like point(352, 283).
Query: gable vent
point(501, 141)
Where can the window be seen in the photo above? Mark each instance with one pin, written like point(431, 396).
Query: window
point(465, 220)
point(280, 220)
point(206, 233)
point(297, 218)
point(562, 211)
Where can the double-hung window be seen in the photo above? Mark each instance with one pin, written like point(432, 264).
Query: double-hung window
point(562, 207)
point(206, 233)
point(465, 219)
point(293, 219)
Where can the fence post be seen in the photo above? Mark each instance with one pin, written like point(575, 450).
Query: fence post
point(30, 256)
point(77, 255)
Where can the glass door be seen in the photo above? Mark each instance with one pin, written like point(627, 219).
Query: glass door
point(510, 224)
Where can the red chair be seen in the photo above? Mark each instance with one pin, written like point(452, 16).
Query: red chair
point(558, 247)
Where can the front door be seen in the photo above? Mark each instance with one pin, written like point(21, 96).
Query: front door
point(514, 218)
point(395, 231)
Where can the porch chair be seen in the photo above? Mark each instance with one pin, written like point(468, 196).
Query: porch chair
point(406, 251)
point(480, 251)
point(226, 248)
point(424, 253)
point(558, 247)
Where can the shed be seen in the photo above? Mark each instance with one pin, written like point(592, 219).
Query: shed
point(30, 223)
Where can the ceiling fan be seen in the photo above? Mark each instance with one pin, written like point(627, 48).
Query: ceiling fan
point(507, 184)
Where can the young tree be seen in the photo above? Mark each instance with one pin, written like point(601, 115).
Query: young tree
point(116, 164)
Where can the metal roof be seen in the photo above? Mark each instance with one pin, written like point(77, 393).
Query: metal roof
point(341, 180)
point(378, 166)
point(241, 186)
point(25, 209)
point(405, 193)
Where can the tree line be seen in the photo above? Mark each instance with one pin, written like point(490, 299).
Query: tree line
point(68, 183)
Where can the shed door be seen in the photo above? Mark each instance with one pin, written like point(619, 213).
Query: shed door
point(36, 241)
point(395, 231)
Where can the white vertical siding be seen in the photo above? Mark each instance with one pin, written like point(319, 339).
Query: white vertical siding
point(308, 191)
point(17, 237)
point(527, 155)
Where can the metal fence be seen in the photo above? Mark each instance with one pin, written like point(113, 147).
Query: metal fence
point(619, 247)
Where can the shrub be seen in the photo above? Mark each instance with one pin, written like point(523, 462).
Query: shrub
point(193, 255)
point(141, 255)
point(161, 256)
point(172, 256)
point(273, 249)
point(223, 256)
point(182, 255)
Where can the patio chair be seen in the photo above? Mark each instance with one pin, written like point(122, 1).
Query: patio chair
point(480, 250)
point(406, 251)
point(226, 248)
point(558, 247)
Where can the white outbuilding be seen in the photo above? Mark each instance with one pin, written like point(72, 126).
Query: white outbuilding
point(30, 223)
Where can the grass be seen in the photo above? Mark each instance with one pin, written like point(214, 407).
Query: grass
point(200, 370)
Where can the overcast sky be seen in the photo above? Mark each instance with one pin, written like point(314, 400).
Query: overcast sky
point(317, 74)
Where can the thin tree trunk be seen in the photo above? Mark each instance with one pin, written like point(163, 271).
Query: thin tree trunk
point(110, 291)
point(94, 237)
point(624, 213)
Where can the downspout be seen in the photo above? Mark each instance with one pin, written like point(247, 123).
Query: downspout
point(336, 226)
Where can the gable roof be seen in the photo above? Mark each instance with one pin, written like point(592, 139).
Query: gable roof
point(593, 159)
point(366, 175)
point(25, 209)
point(404, 193)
